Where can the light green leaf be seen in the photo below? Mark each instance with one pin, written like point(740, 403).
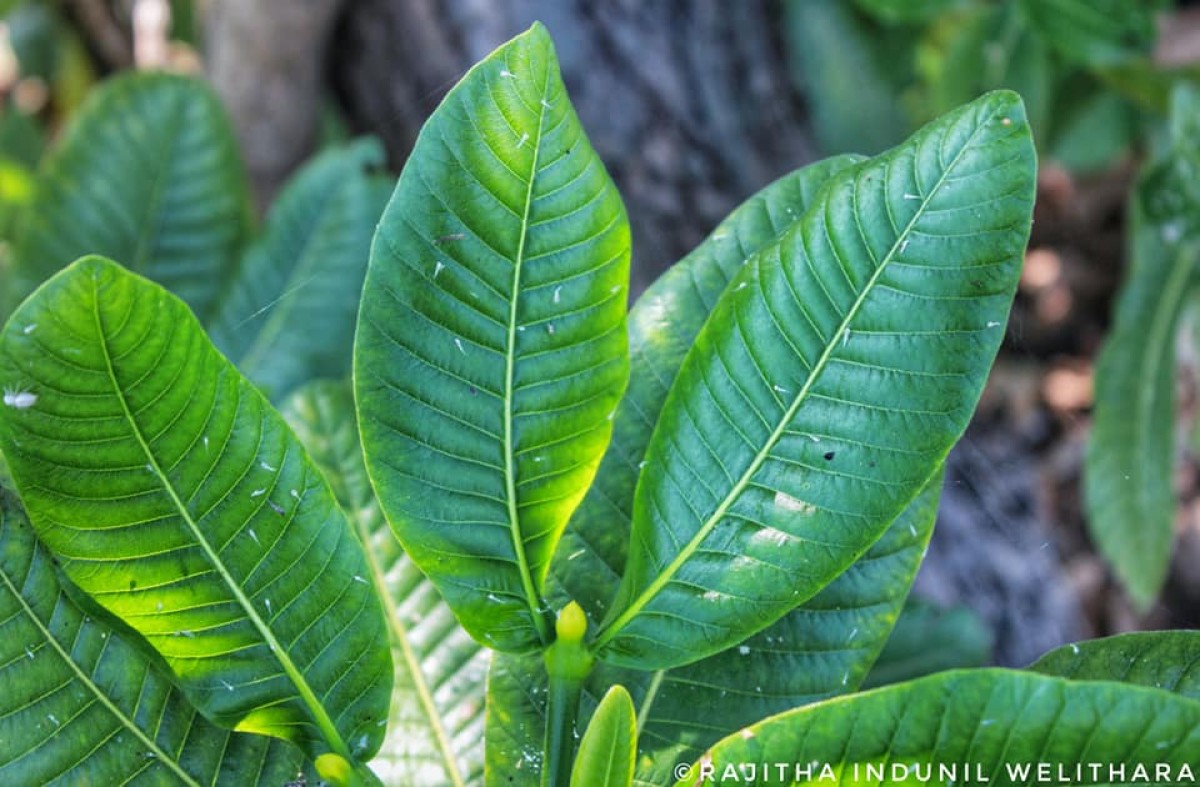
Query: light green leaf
point(288, 315)
point(819, 650)
point(1130, 460)
point(491, 347)
point(663, 325)
point(826, 388)
point(173, 494)
point(148, 172)
point(435, 733)
point(981, 723)
point(1096, 32)
point(837, 63)
point(1167, 660)
point(609, 745)
point(82, 705)
point(926, 640)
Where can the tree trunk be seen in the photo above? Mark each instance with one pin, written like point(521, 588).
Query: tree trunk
point(688, 103)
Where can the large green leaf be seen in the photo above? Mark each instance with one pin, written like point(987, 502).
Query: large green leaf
point(663, 325)
point(983, 723)
point(819, 650)
point(435, 733)
point(491, 346)
point(288, 316)
point(148, 173)
point(826, 388)
point(82, 705)
point(907, 11)
point(1096, 32)
point(606, 753)
point(1130, 461)
point(927, 639)
point(1167, 660)
point(173, 494)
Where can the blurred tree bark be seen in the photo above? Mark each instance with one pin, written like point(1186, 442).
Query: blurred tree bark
point(688, 102)
point(266, 60)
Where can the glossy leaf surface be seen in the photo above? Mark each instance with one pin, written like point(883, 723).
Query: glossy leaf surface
point(288, 315)
point(171, 492)
point(663, 325)
point(984, 720)
point(828, 385)
point(435, 732)
point(147, 173)
point(82, 705)
point(491, 347)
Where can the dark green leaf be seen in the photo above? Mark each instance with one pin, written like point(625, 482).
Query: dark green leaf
point(491, 347)
point(980, 724)
point(148, 173)
point(1167, 660)
point(1095, 32)
point(663, 325)
point(826, 388)
point(926, 640)
point(289, 313)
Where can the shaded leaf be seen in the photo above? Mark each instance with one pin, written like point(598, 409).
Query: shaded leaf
point(435, 732)
point(173, 494)
point(907, 11)
point(826, 388)
point(491, 346)
point(926, 640)
point(837, 63)
point(607, 751)
point(148, 172)
point(82, 705)
point(663, 325)
point(1167, 660)
point(288, 315)
point(1095, 32)
point(983, 721)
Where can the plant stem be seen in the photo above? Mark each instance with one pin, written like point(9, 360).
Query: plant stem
point(568, 665)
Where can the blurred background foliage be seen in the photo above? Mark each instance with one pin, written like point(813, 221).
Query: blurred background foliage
point(695, 104)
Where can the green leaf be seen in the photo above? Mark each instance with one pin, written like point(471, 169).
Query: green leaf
point(82, 705)
point(1095, 32)
point(148, 172)
point(926, 640)
point(663, 325)
point(819, 650)
point(1129, 470)
point(837, 63)
point(491, 346)
point(1167, 660)
point(435, 733)
point(607, 751)
point(981, 722)
point(797, 431)
point(289, 313)
point(173, 494)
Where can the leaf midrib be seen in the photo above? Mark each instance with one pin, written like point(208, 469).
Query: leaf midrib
point(316, 710)
point(103, 698)
point(510, 472)
point(664, 577)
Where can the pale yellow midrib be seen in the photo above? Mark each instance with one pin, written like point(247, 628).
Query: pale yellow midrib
point(320, 716)
point(532, 597)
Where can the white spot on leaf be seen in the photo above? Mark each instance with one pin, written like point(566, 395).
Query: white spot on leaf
point(789, 503)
